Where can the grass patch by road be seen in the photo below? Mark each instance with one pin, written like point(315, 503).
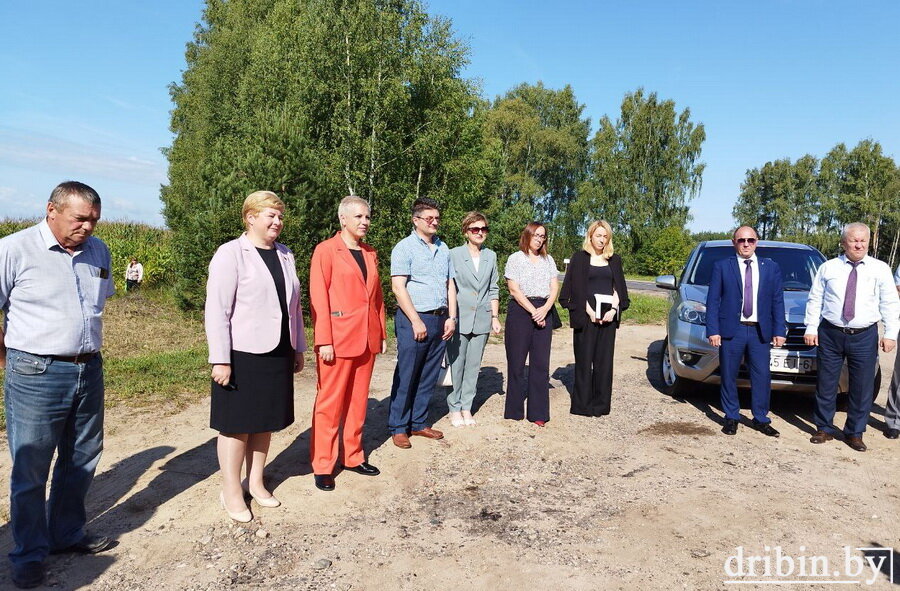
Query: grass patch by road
point(646, 309)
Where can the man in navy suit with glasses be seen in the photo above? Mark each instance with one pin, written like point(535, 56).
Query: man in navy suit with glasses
point(745, 319)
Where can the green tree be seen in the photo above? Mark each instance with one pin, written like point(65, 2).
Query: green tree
point(541, 140)
point(644, 168)
point(315, 100)
point(861, 185)
point(781, 199)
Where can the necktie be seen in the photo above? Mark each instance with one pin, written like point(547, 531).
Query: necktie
point(849, 311)
point(748, 290)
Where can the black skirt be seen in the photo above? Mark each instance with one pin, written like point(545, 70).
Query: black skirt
point(262, 398)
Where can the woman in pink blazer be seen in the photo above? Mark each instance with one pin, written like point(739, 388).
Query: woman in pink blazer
point(254, 327)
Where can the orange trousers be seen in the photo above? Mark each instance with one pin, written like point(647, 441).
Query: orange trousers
point(342, 392)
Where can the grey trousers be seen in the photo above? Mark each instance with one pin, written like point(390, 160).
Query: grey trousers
point(892, 408)
point(464, 352)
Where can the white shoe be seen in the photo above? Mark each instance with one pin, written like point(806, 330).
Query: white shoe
point(269, 502)
point(240, 516)
point(468, 419)
point(456, 419)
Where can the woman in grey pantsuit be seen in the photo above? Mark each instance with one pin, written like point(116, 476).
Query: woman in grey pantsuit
point(478, 302)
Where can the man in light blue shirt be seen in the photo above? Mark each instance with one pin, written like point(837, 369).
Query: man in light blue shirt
point(421, 279)
point(892, 410)
point(54, 281)
point(850, 294)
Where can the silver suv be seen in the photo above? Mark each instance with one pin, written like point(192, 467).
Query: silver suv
point(688, 358)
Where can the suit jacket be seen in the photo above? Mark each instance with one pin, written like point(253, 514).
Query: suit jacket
point(573, 295)
point(347, 312)
point(242, 308)
point(726, 295)
point(475, 290)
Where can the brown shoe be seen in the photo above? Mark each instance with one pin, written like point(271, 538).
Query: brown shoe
point(401, 440)
point(429, 433)
point(856, 443)
point(821, 437)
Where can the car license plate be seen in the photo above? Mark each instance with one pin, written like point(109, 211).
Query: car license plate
point(779, 361)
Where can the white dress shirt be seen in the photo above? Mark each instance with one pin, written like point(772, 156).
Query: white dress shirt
point(742, 271)
point(876, 296)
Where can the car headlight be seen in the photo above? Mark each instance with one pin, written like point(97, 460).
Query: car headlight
point(692, 312)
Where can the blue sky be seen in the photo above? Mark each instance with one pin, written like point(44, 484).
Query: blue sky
point(84, 84)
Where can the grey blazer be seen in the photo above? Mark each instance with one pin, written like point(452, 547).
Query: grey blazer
point(474, 291)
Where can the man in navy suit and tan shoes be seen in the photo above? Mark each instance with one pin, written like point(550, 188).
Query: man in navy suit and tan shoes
point(745, 319)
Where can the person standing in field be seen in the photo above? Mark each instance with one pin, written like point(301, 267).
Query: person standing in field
point(532, 279)
point(594, 283)
point(254, 328)
point(422, 280)
point(347, 307)
point(55, 278)
point(850, 294)
point(134, 275)
point(478, 300)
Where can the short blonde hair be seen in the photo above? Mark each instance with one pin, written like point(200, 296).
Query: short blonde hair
point(348, 201)
point(258, 201)
point(471, 218)
point(589, 248)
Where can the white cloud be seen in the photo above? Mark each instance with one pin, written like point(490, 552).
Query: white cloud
point(69, 159)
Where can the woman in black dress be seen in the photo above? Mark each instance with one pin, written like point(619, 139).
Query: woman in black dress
point(595, 294)
point(254, 327)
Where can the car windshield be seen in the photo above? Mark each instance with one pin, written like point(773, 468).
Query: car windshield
point(798, 266)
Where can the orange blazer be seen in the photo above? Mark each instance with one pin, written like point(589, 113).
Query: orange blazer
point(347, 312)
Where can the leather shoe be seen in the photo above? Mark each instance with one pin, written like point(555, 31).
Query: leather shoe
point(821, 437)
point(429, 433)
point(324, 481)
point(892, 433)
point(730, 427)
point(366, 469)
point(401, 440)
point(89, 544)
point(856, 443)
point(28, 574)
point(765, 428)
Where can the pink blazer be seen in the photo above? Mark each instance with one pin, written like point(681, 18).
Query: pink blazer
point(242, 309)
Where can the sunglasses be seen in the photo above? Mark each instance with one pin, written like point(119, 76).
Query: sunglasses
point(430, 219)
point(747, 240)
point(478, 229)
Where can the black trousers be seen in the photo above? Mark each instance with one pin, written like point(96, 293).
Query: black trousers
point(525, 339)
point(594, 348)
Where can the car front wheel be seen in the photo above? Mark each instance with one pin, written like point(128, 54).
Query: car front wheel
point(673, 384)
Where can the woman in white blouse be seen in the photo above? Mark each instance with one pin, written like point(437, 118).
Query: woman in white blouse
point(532, 278)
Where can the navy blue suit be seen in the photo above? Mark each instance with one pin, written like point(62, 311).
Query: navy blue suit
point(724, 303)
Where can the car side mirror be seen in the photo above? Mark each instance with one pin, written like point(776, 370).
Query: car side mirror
point(666, 282)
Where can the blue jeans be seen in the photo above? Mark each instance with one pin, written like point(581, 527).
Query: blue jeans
point(51, 405)
point(418, 366)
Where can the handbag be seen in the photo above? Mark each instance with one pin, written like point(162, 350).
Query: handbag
point(444, 376)
point(555, 320)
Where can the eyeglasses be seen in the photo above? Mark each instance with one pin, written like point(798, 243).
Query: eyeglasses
point(430, 219)
point(540, 237)
point(478, 229)
point(747, 240)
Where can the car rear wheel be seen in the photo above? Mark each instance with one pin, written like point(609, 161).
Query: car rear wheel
point(673, 384)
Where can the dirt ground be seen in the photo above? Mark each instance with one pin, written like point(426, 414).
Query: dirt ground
point(651, 497)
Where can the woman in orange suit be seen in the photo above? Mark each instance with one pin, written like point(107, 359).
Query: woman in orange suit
point(348, 325)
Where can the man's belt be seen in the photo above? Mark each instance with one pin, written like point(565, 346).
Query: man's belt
point(436, 312)
point(848, 330)
point(748, 323)
point(80, 358)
